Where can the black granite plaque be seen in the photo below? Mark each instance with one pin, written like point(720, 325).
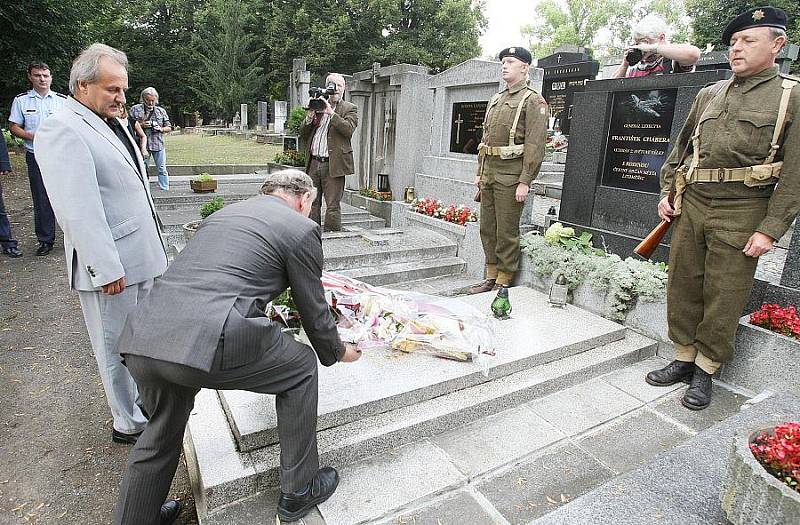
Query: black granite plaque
point(466, 127)
point(559, 86)
point(638, 138)
point(290, 142)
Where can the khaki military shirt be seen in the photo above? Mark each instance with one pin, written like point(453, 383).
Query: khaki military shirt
point(735, 131)
point(531, 131)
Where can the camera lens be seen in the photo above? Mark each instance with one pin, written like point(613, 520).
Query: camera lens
point(634, 56)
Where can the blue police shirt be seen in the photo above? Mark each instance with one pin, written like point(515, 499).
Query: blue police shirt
point(30, 109)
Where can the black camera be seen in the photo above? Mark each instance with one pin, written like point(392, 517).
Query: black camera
point(634, 56)
point(318, 93)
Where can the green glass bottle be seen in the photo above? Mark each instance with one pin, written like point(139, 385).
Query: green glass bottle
point(501, 306)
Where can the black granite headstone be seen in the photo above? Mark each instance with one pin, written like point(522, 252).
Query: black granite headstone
point(466, 126)
point(621, 211)
point(560, 84)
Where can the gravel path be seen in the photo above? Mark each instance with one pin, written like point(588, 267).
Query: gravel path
point(58, 464)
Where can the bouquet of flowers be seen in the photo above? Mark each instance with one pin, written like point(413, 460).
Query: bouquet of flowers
point(456, 214)
point(372, 317)
point(556, 142)
point(783, 320)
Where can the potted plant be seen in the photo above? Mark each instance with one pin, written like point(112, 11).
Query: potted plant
point(290, 157)
point(763, 478)
point(205, 210)
point(203, 183)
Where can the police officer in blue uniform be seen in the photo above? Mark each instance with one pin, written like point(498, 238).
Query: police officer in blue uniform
point(28, 111)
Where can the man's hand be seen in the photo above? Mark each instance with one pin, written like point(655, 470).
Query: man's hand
point(351, 353)
point(758, 244)
point(328, 109)
point(665, 209)
point(522, 192)
point(115, 287)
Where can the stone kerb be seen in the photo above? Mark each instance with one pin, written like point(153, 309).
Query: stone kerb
point(392, 212)
point(467, 237)
point(764, 359)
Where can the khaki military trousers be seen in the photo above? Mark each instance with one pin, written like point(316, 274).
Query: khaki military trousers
point(710, 279)
point(500, 215)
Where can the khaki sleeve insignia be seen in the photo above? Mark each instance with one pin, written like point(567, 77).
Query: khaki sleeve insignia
point(758, 14)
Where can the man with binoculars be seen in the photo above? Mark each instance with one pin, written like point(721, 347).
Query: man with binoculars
point(326, 133)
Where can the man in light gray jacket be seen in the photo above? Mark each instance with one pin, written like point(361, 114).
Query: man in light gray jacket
point(98, 188)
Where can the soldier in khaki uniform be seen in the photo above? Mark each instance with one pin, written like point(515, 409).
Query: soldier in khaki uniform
point(509, 158)
point(735, 171)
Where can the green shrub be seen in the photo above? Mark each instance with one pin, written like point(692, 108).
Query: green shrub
point(211, 206)
point(296, 117)
point(11, 140)
point(290, 157)
point(203, 177)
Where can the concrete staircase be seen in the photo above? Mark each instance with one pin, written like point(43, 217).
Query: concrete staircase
point(369, 409)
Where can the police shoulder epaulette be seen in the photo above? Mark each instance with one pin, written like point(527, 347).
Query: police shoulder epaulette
point(24, 93)
point(60, 94)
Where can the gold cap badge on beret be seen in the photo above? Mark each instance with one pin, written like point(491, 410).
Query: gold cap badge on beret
point(512, 50)
point(758, 14)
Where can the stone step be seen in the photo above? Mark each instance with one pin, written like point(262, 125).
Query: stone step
point(368, 222)
point(221, 475)
point(399, 272)
point(378, 247)
point(522, 342)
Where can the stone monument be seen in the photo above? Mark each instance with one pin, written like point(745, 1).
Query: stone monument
point(565, 73)
point(299, 82)
point(280, 114)
point(243, 120)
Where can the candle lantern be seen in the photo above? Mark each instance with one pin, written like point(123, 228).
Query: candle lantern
point(558, 291)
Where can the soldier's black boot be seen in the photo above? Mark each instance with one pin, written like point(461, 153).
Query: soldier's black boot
point(675, 372)
point(698, 395)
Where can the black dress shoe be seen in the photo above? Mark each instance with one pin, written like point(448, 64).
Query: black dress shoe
point(44, 248)
point(125, 439)
point(170, 512)
point(486, 286)
point(12, 251)
point(674, 372)
point(295, 505)
point(698, 395)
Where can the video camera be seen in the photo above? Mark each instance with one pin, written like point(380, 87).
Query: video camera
point(318, 93)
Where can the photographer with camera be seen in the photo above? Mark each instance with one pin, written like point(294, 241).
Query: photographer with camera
point(155, 122)
point(651, 54)
point(326, 133)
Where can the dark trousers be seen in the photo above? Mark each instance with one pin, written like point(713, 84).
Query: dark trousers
point(288, 370)
point(332, 188)
point(43, 217)
point(6, 237)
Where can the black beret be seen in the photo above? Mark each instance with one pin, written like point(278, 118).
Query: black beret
point(766, 16)
point(517, 52)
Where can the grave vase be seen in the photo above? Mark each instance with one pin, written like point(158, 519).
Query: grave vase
point(751, 494)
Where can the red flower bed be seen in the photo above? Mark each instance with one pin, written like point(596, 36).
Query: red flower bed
point(783, 320)
point(434, 208)
point(779, 452)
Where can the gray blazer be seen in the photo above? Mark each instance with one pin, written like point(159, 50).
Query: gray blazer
point(100, 200)
point(213, 295)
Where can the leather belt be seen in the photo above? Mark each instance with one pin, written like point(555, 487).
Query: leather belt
point(493, 151)
point(720, 174)
point(320, 159)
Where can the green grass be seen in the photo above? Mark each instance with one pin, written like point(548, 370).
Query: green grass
point(191, 149)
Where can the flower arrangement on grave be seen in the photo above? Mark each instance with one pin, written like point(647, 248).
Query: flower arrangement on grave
point(375, 318)
point(372, 193)
point(778, 450)
point(290, 157)
point(556, 141)
point(456, 214)
point(780, 319)
point(560, 251)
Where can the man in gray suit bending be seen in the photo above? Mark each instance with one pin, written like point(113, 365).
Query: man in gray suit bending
point(97, 184)
point(203, 326)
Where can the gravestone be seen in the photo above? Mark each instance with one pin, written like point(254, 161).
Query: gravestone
point(299, 82)
point(791, 268)
point(263, 116)
point(460, 96)
point(565, 74)
point(280, 113)
point(243, 120)
point(237, 120)
point(718, 59)
point(611, 178)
